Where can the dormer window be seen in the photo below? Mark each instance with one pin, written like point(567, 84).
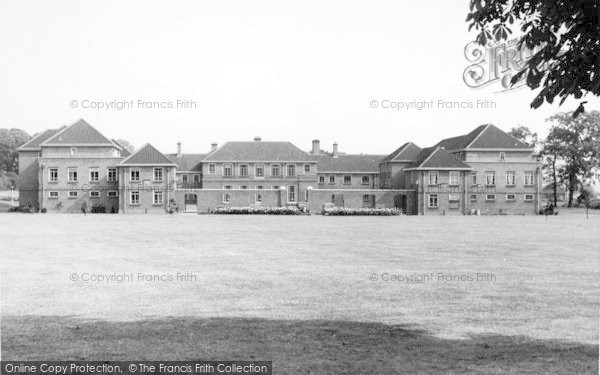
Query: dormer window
point(73, 151)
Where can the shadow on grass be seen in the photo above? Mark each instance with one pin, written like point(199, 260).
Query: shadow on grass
point(295, 347)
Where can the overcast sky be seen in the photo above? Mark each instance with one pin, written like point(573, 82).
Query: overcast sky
point(281, 70)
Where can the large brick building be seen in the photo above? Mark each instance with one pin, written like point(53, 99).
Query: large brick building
point(76, 167)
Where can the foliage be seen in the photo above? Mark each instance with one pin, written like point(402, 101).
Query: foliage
point(128, 146)
point(340, 211)
point(172, 206)
point(257, 211)
point(566, 34)
point(573, 144)
point(10, 140)
point(525, 135)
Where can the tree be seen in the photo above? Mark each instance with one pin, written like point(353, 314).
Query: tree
point(525, 135)
point(576, 141)
point(10, 140)
point(565, 32)
point(128, 146)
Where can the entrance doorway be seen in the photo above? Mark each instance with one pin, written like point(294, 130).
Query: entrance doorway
point(191, 203)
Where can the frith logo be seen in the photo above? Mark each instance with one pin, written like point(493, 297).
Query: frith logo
point(496, 63)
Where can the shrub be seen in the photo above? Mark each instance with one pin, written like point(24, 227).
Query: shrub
point(340, 211)
point(257, 211)
point(98, 209)
point(594, 204)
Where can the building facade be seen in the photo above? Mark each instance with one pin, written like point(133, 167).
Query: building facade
point(75, 168)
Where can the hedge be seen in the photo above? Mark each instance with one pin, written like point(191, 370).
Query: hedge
point(337, 211)
point(257, 211)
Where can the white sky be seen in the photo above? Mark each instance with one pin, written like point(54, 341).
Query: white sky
point(282, 70)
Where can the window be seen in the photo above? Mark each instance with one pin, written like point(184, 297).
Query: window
point(454, 177)
point(275, 187)
point(111, 174)
point(157, 197)
point(306, 168)
point(366, 198)
point(53, 194)
point(53, 174)
point(243, 187)
point(275, 170)
point(502, 156)
point(184, 178)
point(490, 197)
point(158, 174)
point(347, 180)
point(112, 194)
point(528, 197)
point(490, 178)
point(433, 179)
point(196, 178)
point(72, 174)
point(291, 170)
point(226, 198)
point(259, 170)
point(321, 179)
point(72, 194)
point(365, 180)
point(227, 187)
point(510, 178)
point(211, 169)
point(473, 197)
point(291, 193)
point(510, 197)
point(73, 151)
point(473, 178)
point(528, 178)
point(94, 194)
point(259, 187)
point(134, 174)
point(454, 197)
point(94, 175)
point(227, 170)
point(243, 170)
point(257, 198)
point(332, 179)
point(433, 200)
point(134, 197)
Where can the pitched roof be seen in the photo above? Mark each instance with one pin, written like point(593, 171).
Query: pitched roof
point(34, 143)
point(406, 152)
point(348, 163)
point(258, 151)
point(78, 133)
point(188, 162)
point(437, 158)
point(124, 151)
point(147, 155)
point(483, 137)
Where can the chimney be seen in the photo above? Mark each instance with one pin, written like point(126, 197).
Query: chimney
point(213, 146)
point(335, 150)
point(257, 139)
point(178, 149)
point(316, 147)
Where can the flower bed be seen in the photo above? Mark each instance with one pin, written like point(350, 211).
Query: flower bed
point(257, 211)
point(337, 211)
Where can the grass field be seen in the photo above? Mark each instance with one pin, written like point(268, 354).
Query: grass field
point(310, 293)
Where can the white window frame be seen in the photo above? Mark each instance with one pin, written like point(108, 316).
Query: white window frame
point(276, 167)
point(306, 168)
point(526, 197)
point(291, 193)
point(525, 175)
point(259, 187)
point(332, 179)
point(245, 174)
point(131, 170)
point(290, 168)
point(112, 194)
point(365, 180)
point(226, 198)
point(258, 198)
point(184, 178)
point(349, 178)
point(489, 174)
point(473, 197)
point(454, 175)
point(73, 151)
point(161, 177)
point(50, 178)
point(131, 200)
point(453, 197)
point(321, 179)
point(275, 187)
point(94, 170)
point(70, 175)
point(490, 197)
point(243, 187)
point(227, 187)
point(502, 156)
point(514, 178)
point(212, 168)
point(108, 173)
point(431, 181)
point(473, 178)
point(160, 195)
point(53, 194)
point(257, 168)
point(94, 194)
point(72, 194)
point(227, 167)
point(514, 197)
point(429, 201)
point(366, 198)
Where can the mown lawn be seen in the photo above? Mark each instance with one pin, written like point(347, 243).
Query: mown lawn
point(301, 291)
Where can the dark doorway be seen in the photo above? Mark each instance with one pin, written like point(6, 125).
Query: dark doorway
point(191, 203)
